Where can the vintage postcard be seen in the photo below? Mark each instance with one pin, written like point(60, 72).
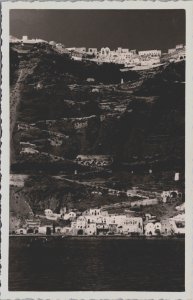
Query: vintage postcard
point(97, 150)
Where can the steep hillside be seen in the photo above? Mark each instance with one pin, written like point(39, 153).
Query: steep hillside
point(63, 114)
point(62, 108)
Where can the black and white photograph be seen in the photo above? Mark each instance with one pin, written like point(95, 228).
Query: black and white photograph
point(96, 152)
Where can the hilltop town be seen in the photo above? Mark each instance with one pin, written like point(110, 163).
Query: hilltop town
point(97, 140)
point(132, 59)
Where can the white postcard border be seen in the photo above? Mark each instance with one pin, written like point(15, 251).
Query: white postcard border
point(6, 6)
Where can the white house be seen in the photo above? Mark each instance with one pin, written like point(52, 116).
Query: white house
point(21, 231)
point(42, 229)
point(25, 40)
point(92, 51)
point(178, 224)
point(81, 222)
point(70, 215)
point(149, 229)
point(152, 53)
point(105, 52)
point(153, 229)
point(165, 227)
point(50, 215)
point(158, 227)
point(133, 225)
point(91, 229)
point(93, 212)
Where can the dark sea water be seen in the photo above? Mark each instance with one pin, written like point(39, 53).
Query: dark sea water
point(96, 264)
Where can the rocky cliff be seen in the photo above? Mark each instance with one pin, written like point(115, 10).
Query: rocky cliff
point(62, 108)
point(63, 114)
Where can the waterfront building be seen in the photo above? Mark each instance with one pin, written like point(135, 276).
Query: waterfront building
point(42, 230)
point(133, 225)
point(149, 229)
point(165, 227)
point(21, 231)
point(178, 224)
point(157, 227)
point(119, 220)
point(32, 226)
point(96, 216)
point(153, 228)
point(112, 229)
point(92, 218)
point(81, 224)
point(102, 229)
point(91, 229)
point(68, 230)
point(58, 230)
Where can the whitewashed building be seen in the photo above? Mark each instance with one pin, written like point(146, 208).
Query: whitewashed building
point(91, 229)
point(50, 215)
point(21, 231)
point(178, 224)
point(152, 53)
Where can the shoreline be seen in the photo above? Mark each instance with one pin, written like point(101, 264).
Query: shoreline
point(98, 237)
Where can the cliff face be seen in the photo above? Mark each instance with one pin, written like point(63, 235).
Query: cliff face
point(61, 108)
point(63, 114)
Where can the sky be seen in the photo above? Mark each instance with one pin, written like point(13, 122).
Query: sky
point(133, 29)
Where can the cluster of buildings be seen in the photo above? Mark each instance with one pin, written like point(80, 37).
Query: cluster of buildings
point(96, 221)
point(130, 58)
